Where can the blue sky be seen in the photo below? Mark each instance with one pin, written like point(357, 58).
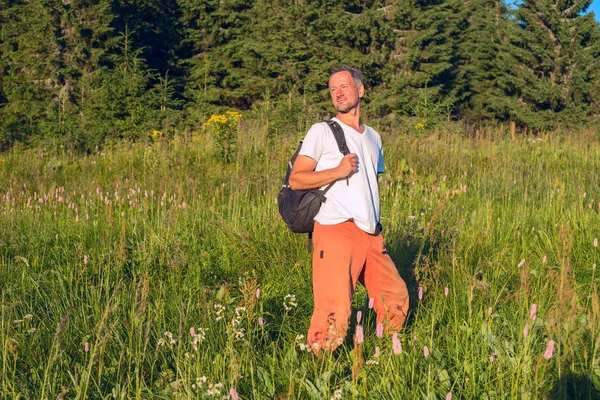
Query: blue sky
point(595, 7)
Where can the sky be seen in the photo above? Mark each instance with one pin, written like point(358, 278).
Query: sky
point(595, 7)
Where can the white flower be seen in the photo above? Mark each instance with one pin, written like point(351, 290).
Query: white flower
point(289, 302)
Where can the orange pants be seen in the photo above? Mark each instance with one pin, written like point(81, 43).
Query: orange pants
point(344, 254)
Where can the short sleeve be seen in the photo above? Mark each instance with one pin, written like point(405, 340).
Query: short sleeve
point(380, 164)
point(314, 142)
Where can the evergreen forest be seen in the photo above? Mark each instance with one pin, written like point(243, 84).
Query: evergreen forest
point(80, 73)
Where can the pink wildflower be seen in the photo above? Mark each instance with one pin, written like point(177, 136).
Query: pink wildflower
point(533, 312)
point(257, 293)
point(77, 218)
point(261, 322)
point(379, 330)
point(549, 350)
point(426, 351)
point(544, 260)
point(521, 263)
point(492, 357)
point(86, 347)
point(449, 396)
point(358, 317)
point(446, 291)
point(234, 394)
point(526, 330)
point(420, 294)
point(85, 260)
point(360, 335)
point(371, 303)
point(490, 311)
point(192, 332)
point(397, 346)
point(376, 352)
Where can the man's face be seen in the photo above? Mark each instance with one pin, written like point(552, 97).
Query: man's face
point(344, 92)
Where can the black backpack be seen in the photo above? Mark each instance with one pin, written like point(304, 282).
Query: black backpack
point(298, 208)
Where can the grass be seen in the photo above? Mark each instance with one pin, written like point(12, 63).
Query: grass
point(107, 261)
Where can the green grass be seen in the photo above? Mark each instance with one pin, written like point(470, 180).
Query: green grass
point(122, 252)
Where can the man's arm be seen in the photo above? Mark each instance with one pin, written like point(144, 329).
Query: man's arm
point(304, 176)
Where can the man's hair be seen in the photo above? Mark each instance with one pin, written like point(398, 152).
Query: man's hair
point(357, 77)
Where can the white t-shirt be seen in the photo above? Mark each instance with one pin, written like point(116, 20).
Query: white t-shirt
point(359, 197)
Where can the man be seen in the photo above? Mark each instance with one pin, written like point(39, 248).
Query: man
point(348, 246)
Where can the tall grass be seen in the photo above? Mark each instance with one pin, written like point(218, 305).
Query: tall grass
point(108, 261)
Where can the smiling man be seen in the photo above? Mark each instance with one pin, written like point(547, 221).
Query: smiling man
point(348, 246)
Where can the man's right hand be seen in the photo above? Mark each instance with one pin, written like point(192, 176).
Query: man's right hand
point(348, 165)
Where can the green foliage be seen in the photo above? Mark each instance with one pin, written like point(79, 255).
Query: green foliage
point(554, 71)
point(81, 72)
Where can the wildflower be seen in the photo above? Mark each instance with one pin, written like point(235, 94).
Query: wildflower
point(289, 302)
point(549, 350)
point(169, 336)
point(544, 260)
point(192, 332)
point(426, 351)
point(492, 357)
point(371, 303)
point(420, 294)
point(85, 260)
point(376, 354)
point(490, 311)
point(27, 316)
point(261, 322)
point(234, 394)
point(533, 312)
point(446, 291)
point(521, 263)
point(449, 396)
point(526, 330)
point(219, 311)
point(372, 362)
point(76, 218)
point(594, 267)
point(337, 394)
point(411, 217)
point(396, 345)
point(257, 293)
point(595, 242)
point(86, 347)
point(360, 335)
point(379, 330)
point(358, 317)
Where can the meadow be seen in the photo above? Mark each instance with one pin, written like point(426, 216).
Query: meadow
point(158, 271)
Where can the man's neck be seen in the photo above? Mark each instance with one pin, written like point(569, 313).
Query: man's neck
point(352, 119)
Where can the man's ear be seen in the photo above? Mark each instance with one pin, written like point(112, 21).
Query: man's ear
point(361, 91)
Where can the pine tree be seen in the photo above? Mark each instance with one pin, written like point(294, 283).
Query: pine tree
point(555, 70)
point(29, 61)
point(480, 65)
point(428, 85)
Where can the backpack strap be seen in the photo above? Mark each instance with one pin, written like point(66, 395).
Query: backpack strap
point(340, 138)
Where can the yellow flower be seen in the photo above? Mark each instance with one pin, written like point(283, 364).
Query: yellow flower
point(218, 119)
point(234, 115)
point(155, 133)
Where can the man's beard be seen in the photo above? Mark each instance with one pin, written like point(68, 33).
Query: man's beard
point(345, 109)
